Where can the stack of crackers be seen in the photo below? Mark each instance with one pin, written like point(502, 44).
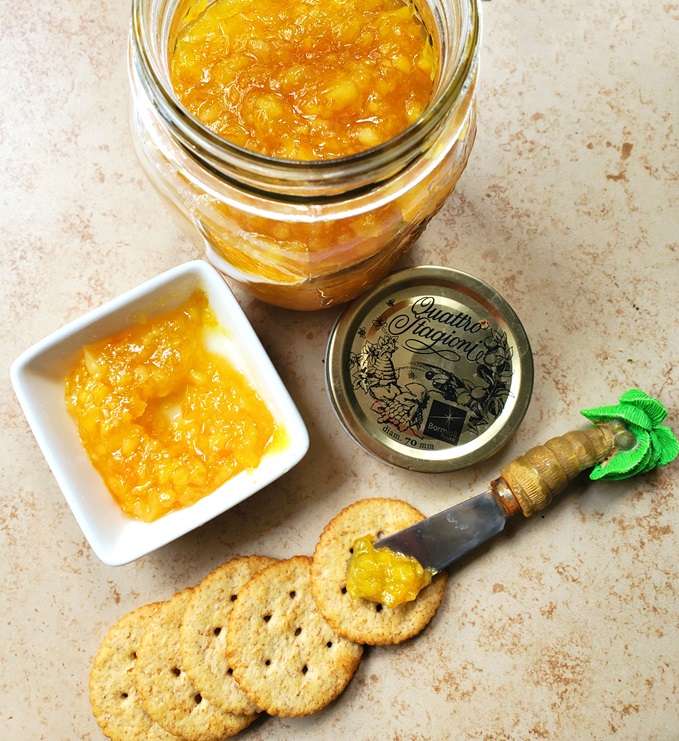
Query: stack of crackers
point(256, 635)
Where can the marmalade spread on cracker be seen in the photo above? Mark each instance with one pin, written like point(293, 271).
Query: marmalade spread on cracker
point(164, 419)
point(383, 575)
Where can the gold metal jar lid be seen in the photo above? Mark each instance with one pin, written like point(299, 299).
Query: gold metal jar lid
point(431, 371)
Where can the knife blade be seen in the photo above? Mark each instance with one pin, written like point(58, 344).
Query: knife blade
point(527, 484)
point(446, 536)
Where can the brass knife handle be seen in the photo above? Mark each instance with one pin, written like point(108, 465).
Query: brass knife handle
point(544, 471)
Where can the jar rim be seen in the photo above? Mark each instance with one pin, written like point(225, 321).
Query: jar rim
point(247, 168)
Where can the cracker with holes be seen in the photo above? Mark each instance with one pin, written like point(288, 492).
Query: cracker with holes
point(113, 693)
point(203, 633)
point(167, 693)
point(361, 620)
point(284, 655)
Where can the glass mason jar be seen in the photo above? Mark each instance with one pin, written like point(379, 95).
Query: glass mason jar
point(304, 234)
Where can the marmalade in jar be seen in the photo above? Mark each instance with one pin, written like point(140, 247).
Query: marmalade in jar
point(304, 79)
point(164, 419)
point(304, 144)
point(384, 576)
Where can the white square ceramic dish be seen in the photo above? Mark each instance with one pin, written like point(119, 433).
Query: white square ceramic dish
point(38, 377)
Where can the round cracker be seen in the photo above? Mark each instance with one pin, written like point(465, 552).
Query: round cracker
point(361, 620)
point(285, 656)
point(166, 691)
point(113, 693)
point(203, 633)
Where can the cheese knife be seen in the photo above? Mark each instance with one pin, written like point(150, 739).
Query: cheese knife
point(625, 440)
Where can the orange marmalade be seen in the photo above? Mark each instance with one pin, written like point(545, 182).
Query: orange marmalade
point(384, 576)
point(304, 79)
point(164, 419)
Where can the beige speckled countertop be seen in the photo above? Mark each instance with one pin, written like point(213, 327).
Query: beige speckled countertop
point(567, 626)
